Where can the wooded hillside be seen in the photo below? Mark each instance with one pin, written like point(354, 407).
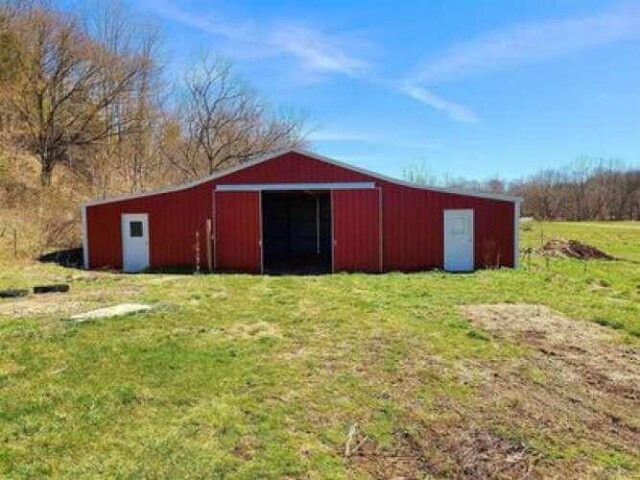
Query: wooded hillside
point(86, 111)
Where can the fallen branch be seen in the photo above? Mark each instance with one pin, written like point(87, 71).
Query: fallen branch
point(351, 437)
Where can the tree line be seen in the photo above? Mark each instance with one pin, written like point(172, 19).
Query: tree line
point(87, 90)
point(586, 189)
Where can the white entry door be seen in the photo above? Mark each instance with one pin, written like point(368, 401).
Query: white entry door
point(135, 242)
point(458, 240)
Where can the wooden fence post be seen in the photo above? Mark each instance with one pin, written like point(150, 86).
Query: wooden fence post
point(209, 253)
point(197, 251)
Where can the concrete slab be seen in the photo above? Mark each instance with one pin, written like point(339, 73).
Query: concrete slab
point(115, 311)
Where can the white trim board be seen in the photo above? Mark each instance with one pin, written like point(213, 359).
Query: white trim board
point(258, 187)
point(261, 230)
point(516, 235)
point(222, 173)
point(85, 238)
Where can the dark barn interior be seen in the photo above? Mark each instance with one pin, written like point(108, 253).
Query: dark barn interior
point(296, 232)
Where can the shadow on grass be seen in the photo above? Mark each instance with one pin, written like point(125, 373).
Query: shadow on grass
point(191, 271)
point(71, 257)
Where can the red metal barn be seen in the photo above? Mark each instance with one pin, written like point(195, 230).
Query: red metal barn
point(300, 212)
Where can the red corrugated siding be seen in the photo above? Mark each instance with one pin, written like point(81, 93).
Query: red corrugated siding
point(293, 167)
point(356, 230)
point(412, 222)
point(414, 235)
point(173, 221)
point(238, 231)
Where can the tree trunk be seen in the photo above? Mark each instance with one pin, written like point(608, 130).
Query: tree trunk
point(46, 171)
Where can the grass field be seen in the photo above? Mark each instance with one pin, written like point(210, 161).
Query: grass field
point(237, 376)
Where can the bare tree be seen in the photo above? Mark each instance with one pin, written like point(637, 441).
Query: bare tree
point(225, 123)
point(420, 174)
point(586, 189)
point(131, 157)
point(67, 85)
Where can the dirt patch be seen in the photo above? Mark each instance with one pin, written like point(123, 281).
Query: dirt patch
point(465, 453)
point(588, 352)
point(404, 460)
point(63, 304)
point(543, 414)
point(559, 247)
point(42, 305)
point(580, 382)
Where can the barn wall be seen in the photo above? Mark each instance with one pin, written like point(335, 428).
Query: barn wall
point(413, 229)
point(293, 167)
point(413, 236)
point(174, 219)
point(413, 218)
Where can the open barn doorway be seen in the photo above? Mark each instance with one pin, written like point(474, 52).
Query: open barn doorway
point(296, 232)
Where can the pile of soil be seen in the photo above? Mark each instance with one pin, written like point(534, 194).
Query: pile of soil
point(559, 247)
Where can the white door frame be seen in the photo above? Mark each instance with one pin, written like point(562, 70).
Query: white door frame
point(143, 253)
point(465, 264)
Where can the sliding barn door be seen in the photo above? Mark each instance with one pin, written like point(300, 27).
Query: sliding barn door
point(238, 232)
point(357, 237)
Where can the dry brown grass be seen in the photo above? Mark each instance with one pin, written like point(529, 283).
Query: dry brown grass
point(581, 353)
point(581, 380)
point(577, 391)
point(64, 304)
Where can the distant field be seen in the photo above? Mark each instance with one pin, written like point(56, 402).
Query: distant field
point(337, 376)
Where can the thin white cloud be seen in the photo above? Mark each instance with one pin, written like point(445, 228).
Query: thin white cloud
point(341, 136)
point(239, 31)
point(314, 51)
point(455, 111)
point(532, 43)
point(322, 136)
point(518, 45)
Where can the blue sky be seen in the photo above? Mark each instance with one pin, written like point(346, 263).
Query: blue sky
point(472, 89)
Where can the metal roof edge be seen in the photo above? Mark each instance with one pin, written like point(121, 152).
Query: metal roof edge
point(306, 153)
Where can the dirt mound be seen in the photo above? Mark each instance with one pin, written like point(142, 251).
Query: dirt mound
point(559, 247)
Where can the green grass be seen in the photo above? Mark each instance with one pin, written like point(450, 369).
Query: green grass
point(261, 377)
point(593, 289)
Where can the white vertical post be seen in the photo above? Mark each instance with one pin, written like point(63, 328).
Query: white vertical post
point(516, 233)
point(261, 240)
point(333, 237)
point(85, 238)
